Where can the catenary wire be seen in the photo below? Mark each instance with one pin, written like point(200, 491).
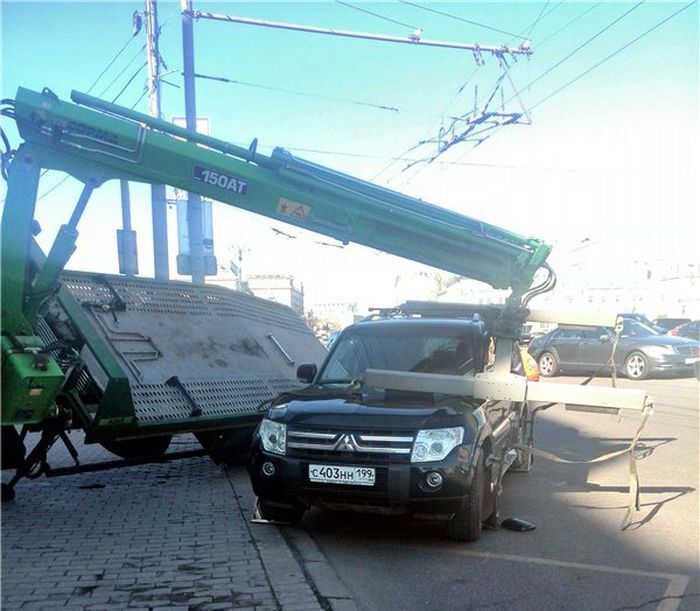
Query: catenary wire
point(222, 79)
point(587, 71)
point(362, 10)
point(576, 50)
point(429, 133)
point(437, 162)
point(469, 21)
point(613, 54)
point(386, 107)
point(540, 43)
point(585, 43)
point(424, 140)
point(540, 16)
point(554, 8)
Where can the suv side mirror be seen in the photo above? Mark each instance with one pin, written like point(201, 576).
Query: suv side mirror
point(605, 338)
point(306, 372)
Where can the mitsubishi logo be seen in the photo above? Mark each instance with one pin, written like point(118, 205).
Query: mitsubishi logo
point(346, 443)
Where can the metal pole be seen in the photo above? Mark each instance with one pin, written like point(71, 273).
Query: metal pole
point(159, 212)
point(126, 205)
point(126, 238)
point(194, 201)
point(413, 39)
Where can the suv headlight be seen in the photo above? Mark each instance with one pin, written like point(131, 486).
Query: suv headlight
point(436, 444)
point(273, 436)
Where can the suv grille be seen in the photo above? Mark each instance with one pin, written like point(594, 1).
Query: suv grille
point(354, 444)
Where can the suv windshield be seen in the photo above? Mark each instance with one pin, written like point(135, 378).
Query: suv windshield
point(425, 348)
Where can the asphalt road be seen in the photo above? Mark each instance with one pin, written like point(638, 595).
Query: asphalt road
point(578, 557)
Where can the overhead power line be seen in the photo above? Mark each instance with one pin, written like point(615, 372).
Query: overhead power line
point(111, 63)
point(94, 83)
point(569, 23)
point(131, 80)
point(222, 79)
point(438, 162)
point(469, 21)
point(539, 17)
point(363, 10)
point(613, 54)
point(122, 71)
point(577, 49)
point(386, 107)
point(143, 95)
point(430, 132)
point(554, 8)
point(588, 71)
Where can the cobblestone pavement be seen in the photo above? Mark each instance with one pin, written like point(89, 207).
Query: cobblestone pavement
point(174, 535)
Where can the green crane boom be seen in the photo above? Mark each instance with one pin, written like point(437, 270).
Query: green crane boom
point(95, 141)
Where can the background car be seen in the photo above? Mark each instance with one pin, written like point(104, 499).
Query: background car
point(666, 324)
point(690, 329)
point(641, 351)
point(637, 316)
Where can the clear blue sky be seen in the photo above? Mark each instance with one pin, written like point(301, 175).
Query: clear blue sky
point(610, 158)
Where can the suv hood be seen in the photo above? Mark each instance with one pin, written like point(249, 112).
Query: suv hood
point(347, 413)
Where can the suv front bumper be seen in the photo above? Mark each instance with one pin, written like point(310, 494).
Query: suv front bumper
point(401, 486)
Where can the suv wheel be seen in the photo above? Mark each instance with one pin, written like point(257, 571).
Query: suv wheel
point(637, 366)
point(548, 365)
point(281, 512)
point(466, 523)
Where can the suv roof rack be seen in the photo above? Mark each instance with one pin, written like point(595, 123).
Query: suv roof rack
point(435, 309)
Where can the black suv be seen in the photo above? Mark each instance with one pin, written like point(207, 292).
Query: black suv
point(341, 444)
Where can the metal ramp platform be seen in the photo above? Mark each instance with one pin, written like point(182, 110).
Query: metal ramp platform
point(193, 358)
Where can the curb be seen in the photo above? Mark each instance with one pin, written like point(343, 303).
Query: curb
point(298, 572)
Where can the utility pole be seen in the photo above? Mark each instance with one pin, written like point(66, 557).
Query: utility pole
point(126, 237)
point(159, 211)
point(194, 201)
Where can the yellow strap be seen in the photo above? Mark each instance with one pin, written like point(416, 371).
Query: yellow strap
point(634, 476)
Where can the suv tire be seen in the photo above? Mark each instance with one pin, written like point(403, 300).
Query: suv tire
point(278, 512)
point(466, 523)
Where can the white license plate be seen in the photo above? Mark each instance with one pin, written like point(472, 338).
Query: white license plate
point(691, 360)
point(332, 474)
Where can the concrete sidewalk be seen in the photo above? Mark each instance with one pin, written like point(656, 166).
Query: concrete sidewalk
point(174, 535)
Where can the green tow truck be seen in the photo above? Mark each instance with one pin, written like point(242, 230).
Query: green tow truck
point(134, 361)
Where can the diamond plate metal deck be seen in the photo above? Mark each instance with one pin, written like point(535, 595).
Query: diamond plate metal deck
point(229, 351)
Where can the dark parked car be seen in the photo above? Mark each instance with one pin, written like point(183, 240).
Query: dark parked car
point(637, 316)
point(689, 329)
point(666, 324)
point(644, 320)
point(339, 444)
point(641, 351)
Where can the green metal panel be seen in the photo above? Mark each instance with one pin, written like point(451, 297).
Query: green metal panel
point(116, 409)
point(28, 387)
point(15, 234)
